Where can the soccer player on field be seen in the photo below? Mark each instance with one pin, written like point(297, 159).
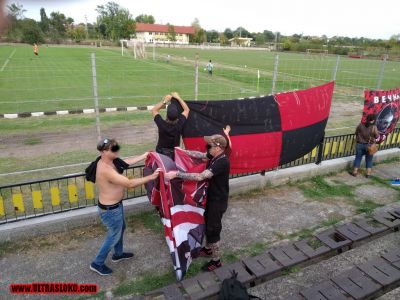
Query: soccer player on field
point(35, 49)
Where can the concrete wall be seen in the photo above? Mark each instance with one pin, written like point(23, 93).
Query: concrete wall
point(88, 216)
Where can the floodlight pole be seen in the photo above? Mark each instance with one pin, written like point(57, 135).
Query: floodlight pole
point(95, 96)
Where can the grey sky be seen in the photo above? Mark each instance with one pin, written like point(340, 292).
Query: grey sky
point(373, 19)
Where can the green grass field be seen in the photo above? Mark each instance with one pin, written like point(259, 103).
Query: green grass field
point(60, 78)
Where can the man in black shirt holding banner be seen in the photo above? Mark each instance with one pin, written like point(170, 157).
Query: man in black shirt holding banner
point(217, 172)
point(170, 129)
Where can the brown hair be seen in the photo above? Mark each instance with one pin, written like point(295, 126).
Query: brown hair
point(106, 144)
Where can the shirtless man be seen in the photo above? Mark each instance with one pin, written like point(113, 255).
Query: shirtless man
point(111, 186)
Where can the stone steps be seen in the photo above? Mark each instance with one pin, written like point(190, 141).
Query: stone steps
point(277, 261)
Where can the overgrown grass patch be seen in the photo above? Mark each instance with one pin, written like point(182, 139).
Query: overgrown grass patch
point(149, 219)
point(331, 221)
point(33, 141)
point(318, 188)
point(145, 283)
point(367, 206)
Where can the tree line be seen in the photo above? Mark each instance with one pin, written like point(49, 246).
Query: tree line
point(115, 22)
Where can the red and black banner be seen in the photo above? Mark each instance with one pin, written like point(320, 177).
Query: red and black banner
point(266, 131)
point(385, 105)
point(181, 205)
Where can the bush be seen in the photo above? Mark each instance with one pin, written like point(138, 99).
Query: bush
point(31, 32)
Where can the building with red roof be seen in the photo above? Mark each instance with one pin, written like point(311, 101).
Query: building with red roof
point(157, 33)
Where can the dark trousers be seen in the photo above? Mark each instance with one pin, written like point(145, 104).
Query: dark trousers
point(213, 220)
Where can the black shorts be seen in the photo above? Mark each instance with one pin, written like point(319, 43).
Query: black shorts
point(213, 219)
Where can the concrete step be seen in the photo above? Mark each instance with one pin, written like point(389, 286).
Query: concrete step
point(280, 260)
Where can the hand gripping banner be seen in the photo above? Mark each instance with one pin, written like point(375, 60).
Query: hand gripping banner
point(181, 206)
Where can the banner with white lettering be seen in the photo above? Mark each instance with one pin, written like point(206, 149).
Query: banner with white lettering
point(385, 105)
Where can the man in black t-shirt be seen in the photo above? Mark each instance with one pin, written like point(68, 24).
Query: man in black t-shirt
point(217, 172)
point(170, 130)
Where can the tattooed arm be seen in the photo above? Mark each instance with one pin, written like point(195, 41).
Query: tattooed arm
point(196, 154)
point(206, 174)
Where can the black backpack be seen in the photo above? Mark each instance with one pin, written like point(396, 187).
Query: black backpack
point(233, 289)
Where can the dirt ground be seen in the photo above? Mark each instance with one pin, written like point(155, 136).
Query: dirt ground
point(268, 217)
point(344, 114)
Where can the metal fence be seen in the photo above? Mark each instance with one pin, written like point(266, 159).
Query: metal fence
point(64, 87)
point(37, 198)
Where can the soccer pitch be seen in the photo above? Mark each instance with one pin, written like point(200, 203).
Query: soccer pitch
point(61, 78)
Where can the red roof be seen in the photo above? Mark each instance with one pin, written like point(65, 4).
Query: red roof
point(142, 27)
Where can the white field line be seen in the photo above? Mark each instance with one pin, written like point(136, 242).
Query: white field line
point(7, 60)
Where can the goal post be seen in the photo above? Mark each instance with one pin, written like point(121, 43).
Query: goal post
point(136, 46)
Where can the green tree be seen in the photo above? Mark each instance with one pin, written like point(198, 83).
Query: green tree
point(287, 45)
point(44, 21)
point(16, 10)
point(260, 39)
point(171, 34)
point(228, 33)
point(200, 35)
point(31, 32)
point(242, 32)
point(149, 19)
point(59, 23)
point(223, 39)
point(117, 20)
point(269, 35)
point(77, 33)
point(212, 36)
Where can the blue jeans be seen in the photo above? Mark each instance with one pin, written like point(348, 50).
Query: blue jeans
point(115, 222)
point(361, 150)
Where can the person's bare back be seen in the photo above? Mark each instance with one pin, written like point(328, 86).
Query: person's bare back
point(109, 193)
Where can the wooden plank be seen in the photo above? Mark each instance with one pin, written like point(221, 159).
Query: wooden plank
point(262, 265)
point(201, 286)
point(288, 255)
point(226, 272)
point(368, 225)
point(381, 271)
point(323, 291)
point(387, 219)
point(170, 292)
point(305, 247)
point(393, 257)
point(353, 232)
point(333, 239)
point(356, 284)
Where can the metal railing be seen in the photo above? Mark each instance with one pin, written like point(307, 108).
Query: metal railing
point(49, 196)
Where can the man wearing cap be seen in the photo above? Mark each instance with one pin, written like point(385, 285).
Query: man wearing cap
point(170, 130)
point(217, 172)
point(106, 172)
